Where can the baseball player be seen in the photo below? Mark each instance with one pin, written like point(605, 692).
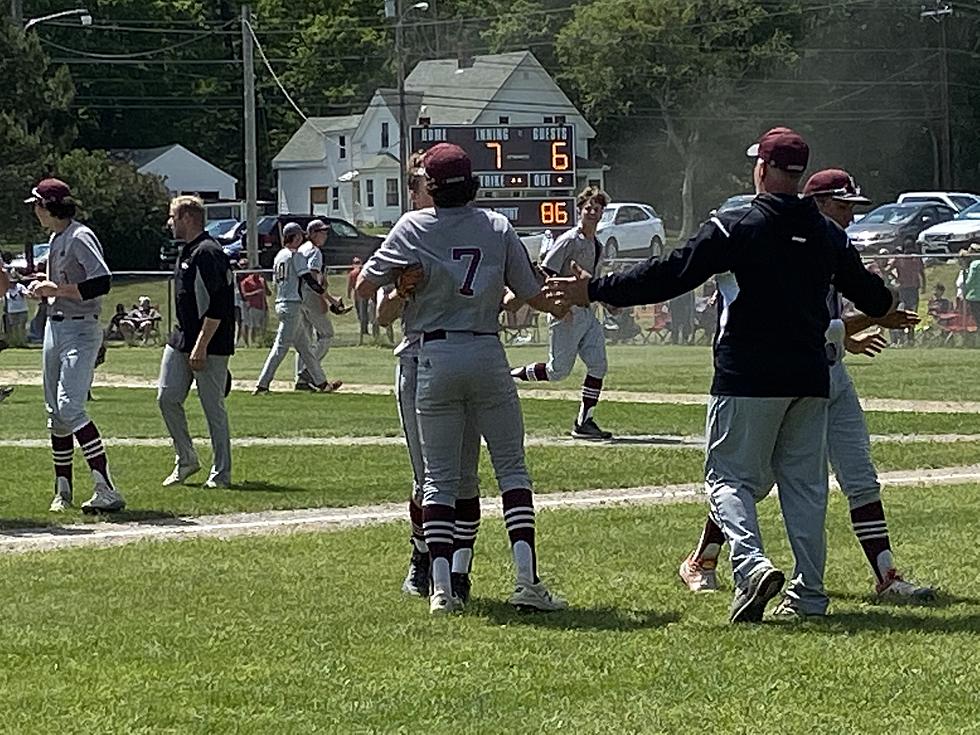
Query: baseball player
point(201, 345)
point(468, 256)
point(77, 279)
point(766, 418)
point(5, 390)
point(392, 303)
point(579, 333)
point(848, 443)
point(314, 306)
point(292, 275)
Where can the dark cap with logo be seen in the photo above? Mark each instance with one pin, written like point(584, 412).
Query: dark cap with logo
point(781, 148)
point(291, 230)
point(317, 225)
point(49, 191)
point(447, 163)
point(836, 183)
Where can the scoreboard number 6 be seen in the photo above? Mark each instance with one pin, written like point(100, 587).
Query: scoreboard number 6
point(553, 213)
point(559, 156)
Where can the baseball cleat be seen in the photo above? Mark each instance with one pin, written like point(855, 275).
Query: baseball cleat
point(62, 496)
point(536, 597)
point(589, 429)
point(180, 475)
point(896, 587)
point(750, 601)
point(443, 603)
point(789, 609)
point(329, 386)
point(699, 576)
point(461, 586)
point(260, 391)
point(216, 485)
point(417, 580)
point(303, 386)
point(5, 392)
point(104, 500)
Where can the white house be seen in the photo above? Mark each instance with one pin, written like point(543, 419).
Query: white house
point(183, 171)
point(348, 166)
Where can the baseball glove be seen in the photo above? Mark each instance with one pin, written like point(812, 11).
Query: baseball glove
point(408, 279)
point(339, 308)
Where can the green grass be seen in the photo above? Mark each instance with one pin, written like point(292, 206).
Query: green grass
point(302, 477)
point(309, 633)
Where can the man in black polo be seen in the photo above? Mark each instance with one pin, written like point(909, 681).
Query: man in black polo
point(200, 346)
point(767, 414)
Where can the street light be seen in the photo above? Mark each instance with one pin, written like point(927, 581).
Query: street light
point(393, 9)
point(84, 17)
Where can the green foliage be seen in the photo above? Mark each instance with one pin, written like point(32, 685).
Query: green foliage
point(128, 210)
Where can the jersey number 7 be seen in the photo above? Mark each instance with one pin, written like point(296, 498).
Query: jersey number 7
point(474, 254)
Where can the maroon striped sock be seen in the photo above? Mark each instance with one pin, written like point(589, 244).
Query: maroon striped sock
point(62, 451)
point(534, 371)
point(871, 530)
point(90, 441)
point(591, 388)
point(438, 523)
point(415, 514)
point(519, 520)
point(711, 541)
point(464, 535)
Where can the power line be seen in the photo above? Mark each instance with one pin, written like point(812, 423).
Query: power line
point(272, 71)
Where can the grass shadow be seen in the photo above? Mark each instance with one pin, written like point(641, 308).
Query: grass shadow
point(17, 526)
point(257, 486)
point(575, 618)
point(882, 621)
point(653, 441)
point(149, 517)
point(941, 600)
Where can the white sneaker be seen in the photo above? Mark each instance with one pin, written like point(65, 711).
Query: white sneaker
point(699, 576)
point(104, 500)
point(60, 504)
point(536, 596)
point(895, 586)
point(180, 474)
point(443, 603)
point(216, 485)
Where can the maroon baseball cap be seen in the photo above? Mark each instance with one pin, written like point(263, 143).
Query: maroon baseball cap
point(837, 183)
point(49, 191)
point(782, 148)
point(447, 163)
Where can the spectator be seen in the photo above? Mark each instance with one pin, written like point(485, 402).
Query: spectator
point(682, 318)
point(141, 321)
point(364, 307)
point(939, 304)
point(910, 275)
point(16, 299)
point(113, 330)
point(255, 316)
point(239, 301)
point(971, 285)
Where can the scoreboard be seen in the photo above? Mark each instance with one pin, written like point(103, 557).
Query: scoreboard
point(510, 156)
point(556, 213)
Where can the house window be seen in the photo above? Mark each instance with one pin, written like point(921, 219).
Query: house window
point(342, 142)
point(318, 199)
point(391, 192)
point(369, 185)
point(549, 118)
point(504, 119)
point(335, 198)
point(356, 193)
point(385, 140)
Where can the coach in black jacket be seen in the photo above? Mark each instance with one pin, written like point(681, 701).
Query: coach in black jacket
point(767, 412)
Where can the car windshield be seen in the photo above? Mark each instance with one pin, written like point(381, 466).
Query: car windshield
point(41, 250)
point(342, 228)
point(971, 212)
point(220, 226)
point(893, 214)
point(963, 202)
point(741, 200)
point(608, 215)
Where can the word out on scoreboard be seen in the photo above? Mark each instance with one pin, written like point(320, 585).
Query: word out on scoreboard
point(553, 212)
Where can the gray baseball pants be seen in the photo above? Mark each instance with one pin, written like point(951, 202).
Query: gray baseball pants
point(848, 443)
point(750, 442)
point(290, 334)
point(176, 377)
point(68, 364)
point(316, 322)
point(467, 374)
point(578, 334)
point(406, 380)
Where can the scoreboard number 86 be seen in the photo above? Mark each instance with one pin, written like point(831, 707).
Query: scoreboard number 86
point(553, 213)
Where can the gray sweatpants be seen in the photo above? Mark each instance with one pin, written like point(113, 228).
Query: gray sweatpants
point(406, 380)
point(460, 375)
point(848, 443)
point(289, 334)
point(578, 334)
point(68, 364)
point(315, 322)
point(176, 377)
point(751, 441)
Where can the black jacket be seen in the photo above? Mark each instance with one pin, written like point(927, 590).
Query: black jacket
point(204, 287)
point(782, 256)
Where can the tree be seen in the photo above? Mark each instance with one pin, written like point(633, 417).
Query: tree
point(681, 62)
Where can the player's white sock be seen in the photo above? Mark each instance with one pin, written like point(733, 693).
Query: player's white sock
point(462, 560)
point(441, 579)
point(524, 562)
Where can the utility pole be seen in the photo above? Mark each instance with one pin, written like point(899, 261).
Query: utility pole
point(251, 155)
point(402, 127)
point(939, 13)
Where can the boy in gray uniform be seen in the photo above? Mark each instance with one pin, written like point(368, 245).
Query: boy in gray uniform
point(291, 274)
point(579, 333)
point(468, 256)
point(78, 278)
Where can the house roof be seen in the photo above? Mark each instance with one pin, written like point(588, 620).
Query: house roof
point(413, 101)
point(307, 142)
point(382, 160)
point(139, 157)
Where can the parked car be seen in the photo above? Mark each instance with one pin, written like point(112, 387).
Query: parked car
point(735, 204)
point(952, 235)
point(957, 200)
point(896, 225)
point(344, 240)
point(631, 230)
point(40, 251)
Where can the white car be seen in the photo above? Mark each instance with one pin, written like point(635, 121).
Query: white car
point(631, 230)
point(958, 200)
point(954, 235)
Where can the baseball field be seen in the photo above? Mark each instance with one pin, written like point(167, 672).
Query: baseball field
point(275, 606)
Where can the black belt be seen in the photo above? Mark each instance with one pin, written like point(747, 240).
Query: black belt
point(62, 317)
point(442, 334)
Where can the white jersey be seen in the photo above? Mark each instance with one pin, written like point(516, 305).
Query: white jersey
point(287, 269)
point(468, 256)
point(75, 256)
point(313, 255)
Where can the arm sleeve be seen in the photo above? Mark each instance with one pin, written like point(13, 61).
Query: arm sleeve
point(88, 252)
point(316, 260)
point(215, 273)
point(392, 257)
point(94, 287)
point(311, 282)
point(300, 264)
point(868, 292)
point(711, 251)
point(519, 275)
point(554, 258)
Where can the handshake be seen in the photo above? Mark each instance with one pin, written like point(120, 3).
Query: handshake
point(338, 307)
point(560, 293)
